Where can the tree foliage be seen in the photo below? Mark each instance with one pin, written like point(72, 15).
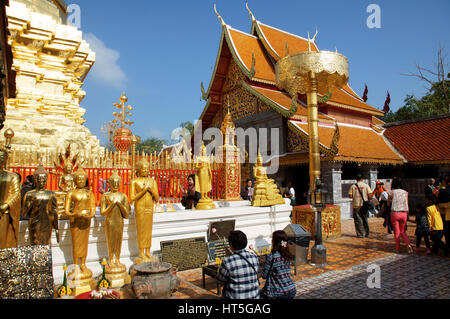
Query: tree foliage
point(435, 102)
point(151, 145)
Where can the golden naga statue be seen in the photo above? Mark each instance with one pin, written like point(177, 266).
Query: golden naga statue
point(115, 206)
point(203, 180)
point(80, 208)
point(266, 192)
point(9, 204)
point(144, 193)
point(40, 206)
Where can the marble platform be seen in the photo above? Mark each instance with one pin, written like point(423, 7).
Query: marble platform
point(258, 223)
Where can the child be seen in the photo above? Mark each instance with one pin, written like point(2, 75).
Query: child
point(422, 229)
point(436, 226)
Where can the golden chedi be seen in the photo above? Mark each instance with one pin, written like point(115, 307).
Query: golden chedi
point(40, 206)
point(9, 204)
point(203, 180)
point(144, 193)
point(80, 208)
point(115, 206)
point(51, 60)
point(266, 192)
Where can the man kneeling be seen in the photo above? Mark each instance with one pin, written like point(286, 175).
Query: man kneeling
point(239, 271)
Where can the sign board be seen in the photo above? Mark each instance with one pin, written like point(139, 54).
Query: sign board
point(26, 273)
point(217, 249)
point(185, 254)
point(223, 229)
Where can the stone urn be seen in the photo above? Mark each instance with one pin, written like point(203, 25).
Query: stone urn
point(154, 280)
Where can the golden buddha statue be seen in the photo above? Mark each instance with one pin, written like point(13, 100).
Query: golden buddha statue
point(144, 193)
point(9, 204)
point(203, 180)
point(266, 192)
point(80, 208)
point(40, 206)
point(115, 206)
point(66, 180)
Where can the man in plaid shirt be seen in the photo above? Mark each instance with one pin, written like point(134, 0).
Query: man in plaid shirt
point(239, 271)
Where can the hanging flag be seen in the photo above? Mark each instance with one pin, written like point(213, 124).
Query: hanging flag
point(387, 108)
point(366, 92)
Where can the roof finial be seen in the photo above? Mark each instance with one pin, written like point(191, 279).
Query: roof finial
point(218, 16)
point(312, 40)
point(251, 14)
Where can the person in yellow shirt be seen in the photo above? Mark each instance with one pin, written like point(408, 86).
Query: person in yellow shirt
point(436, 226)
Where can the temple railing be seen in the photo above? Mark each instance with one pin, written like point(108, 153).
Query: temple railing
point(169, 181)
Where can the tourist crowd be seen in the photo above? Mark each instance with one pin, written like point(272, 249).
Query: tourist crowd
point(432, 216)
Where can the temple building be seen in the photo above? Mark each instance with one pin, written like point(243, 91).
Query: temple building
point(51, 61)
point(244, 79)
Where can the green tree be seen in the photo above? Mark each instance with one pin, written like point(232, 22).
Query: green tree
point(151, 145)
point(435, 102)
point(189, 126)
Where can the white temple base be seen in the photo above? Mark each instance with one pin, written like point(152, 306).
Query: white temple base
point(258, 223)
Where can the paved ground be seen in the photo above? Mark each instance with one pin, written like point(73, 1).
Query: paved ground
point(402, 275)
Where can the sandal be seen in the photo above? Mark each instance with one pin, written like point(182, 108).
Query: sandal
point(410, 249)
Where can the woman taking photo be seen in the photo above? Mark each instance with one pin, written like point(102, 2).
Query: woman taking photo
point(277, 270)
point(398, 200)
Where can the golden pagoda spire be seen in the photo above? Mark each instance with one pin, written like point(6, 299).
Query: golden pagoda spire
point(251, 14)
point(218, 16)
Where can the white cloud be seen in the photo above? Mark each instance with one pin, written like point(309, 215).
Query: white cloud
point(106, 70)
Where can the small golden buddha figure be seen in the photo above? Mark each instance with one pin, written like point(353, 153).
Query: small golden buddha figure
point(66, 180)
point(115, 206)
point(266, 192)
point(144, 193)
point(40, 206)
point(9, 204)
point(80, 208)
point(203, 180)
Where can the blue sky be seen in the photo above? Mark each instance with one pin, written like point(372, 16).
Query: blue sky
point(158, 52)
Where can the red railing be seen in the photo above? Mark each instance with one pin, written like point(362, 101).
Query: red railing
point(168, 180)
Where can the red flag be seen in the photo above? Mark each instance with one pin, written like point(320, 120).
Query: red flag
point(366, 92)
point(387, 108)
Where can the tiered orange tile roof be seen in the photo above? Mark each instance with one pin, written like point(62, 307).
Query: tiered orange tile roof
point(284, 102)
point(356, 144)
point(246, 46)
point(275, 41)
point(422, 141)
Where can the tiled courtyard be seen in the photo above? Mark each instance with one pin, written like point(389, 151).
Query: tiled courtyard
point(402, 275)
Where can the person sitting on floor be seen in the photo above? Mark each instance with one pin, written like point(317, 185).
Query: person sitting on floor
point(190, 197)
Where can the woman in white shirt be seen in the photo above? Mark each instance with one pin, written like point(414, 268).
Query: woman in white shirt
point(398, 199)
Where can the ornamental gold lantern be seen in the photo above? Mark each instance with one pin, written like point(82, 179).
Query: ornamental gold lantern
point(313, 73)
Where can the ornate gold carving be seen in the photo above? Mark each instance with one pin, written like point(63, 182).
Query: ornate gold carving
point(331, 70)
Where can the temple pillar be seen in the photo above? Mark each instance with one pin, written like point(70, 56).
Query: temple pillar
point(332, 179)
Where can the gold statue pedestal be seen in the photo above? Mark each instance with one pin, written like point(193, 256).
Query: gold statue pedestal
point(81, 281)
point(139, 260)
point(117, 275)
point(266, 194)
point(205, 204)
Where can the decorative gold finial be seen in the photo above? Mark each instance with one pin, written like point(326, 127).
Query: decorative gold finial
point(251, 14)
point(218, 16)
point(121, 116)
